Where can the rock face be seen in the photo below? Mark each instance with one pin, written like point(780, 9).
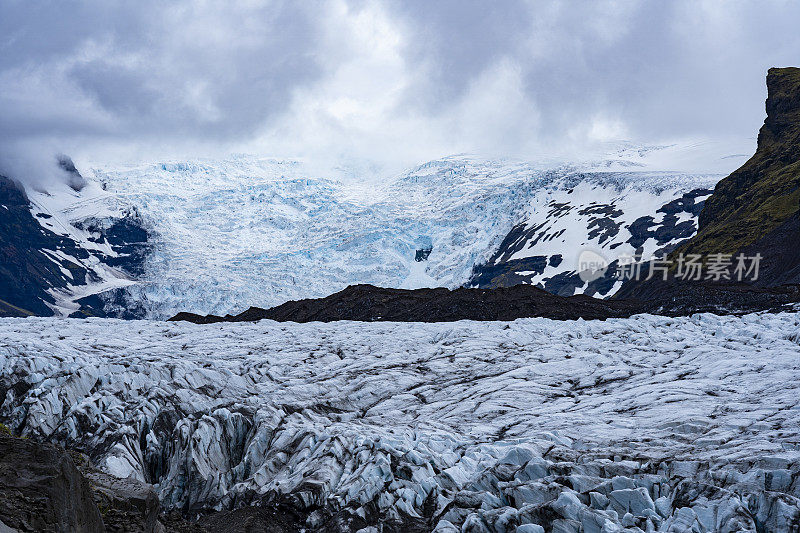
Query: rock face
point(46, 489)
point(638, 424)
point(74, 178)
point(26, 271)
point(765, 192)
point(41, 490)
point(755, 210)
point(126, 505)
point(780, 252)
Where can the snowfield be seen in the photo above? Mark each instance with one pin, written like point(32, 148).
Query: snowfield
point(648, 423)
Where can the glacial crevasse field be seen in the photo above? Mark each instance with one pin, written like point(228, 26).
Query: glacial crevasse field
point(640, 424)
point(244, 231)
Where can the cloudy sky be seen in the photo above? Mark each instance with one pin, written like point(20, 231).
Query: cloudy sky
point(396, 83)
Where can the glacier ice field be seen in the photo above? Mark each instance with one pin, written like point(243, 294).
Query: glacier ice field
point(247, 231)
point(640, 424)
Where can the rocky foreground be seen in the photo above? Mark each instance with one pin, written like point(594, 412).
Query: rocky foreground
point(637, 424)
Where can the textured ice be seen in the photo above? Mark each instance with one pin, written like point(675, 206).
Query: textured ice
point(642, 424)
point(248, 231)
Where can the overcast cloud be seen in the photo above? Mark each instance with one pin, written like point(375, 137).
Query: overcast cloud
point(396, 83)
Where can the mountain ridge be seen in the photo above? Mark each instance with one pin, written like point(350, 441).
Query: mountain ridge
point(55, 263)
point(293, 236)
point(367, 303)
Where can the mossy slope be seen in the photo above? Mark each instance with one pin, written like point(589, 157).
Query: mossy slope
point(765, 192)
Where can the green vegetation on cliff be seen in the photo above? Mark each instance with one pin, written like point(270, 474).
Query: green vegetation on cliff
point(765, 191)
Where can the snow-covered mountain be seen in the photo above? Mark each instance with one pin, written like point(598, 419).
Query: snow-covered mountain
point(254, 231)
point(64, 243)
point(217, 236)
point(612, 215)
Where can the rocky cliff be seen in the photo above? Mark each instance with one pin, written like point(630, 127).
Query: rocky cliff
point(35, 260)
point(752, 211)
point(765, 192)
point(42, 490)
point(755, 209)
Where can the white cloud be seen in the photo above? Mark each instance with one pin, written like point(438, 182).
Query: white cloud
point(390, 82)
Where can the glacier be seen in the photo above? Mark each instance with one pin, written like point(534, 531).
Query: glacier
point(256, 231)
point(640, 424)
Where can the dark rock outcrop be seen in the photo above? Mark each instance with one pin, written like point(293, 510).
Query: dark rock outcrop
point(755, 209)
point(35, 259)
point(681, 298)
point(47, 489)
point(369, 303)
point(261, 519)
point(126, 236)
point(765, 191)
point(26, 270)
point(74, 178)
point(126, 505)
point(42, 490)
point(605, 223)
point(780, 252)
